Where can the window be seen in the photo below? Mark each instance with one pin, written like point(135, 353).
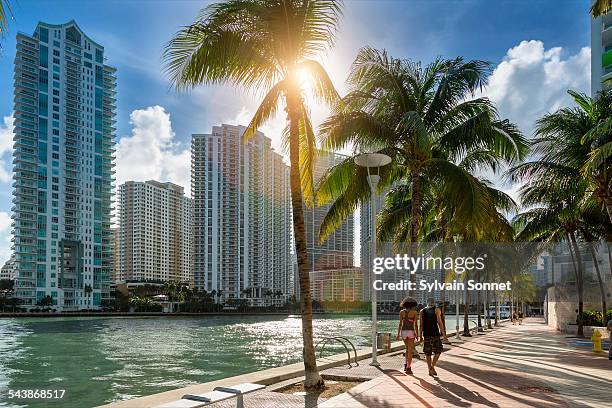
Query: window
point(43, 33)
point(43, 56)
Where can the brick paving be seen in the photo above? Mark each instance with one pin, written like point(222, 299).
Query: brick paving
point(513, 366)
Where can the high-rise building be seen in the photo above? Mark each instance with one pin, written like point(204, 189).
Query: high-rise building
point(116, 275)
point(242, 217)
point(601, 52)
point(388, 249)
point(338, 249)
point(7, 272)
point(365, 252)
point(337, 285)
point(156, 238)
point(63, 167)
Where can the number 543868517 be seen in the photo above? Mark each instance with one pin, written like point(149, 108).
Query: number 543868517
point(36, 394)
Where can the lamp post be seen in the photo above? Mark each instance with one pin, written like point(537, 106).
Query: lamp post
point(373, 161)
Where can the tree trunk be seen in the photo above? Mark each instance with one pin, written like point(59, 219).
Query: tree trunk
point(497, 308)
point(311, 373)
point(608, 201)
point(415, 217)
point(478, 304)
point(609, 257)
point(466, 322)
point(579, 283)
point(488, 313)
point(601, 285)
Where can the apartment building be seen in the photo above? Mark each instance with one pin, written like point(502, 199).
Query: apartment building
point(64, 109)
point(337, 251)
point(156, 233)
point(242, 217)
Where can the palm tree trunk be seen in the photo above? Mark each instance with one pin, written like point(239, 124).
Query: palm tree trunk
point(311, 373)
point(579, 283)
point(415, 216)
point(466, 322)
point(609, 257)
point(608, 201)
point(478, 304)
point(497, 308)
point(488, 314)
point(601, 286)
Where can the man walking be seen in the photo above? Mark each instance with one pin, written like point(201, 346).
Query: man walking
point(431, 328)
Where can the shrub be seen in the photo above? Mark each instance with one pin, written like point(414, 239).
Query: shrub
point(592, 318)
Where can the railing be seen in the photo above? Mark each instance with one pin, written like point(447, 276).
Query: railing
point(324, 341)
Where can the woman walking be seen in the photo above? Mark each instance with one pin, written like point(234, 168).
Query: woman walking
point(407, 329)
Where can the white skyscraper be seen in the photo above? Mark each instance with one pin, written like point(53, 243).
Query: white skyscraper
point(242, 217)
point(156, 233)
point(63, 167)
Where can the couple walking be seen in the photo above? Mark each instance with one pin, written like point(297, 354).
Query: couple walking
point(427, 326)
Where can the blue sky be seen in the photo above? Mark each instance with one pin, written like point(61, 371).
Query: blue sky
point(539, 49)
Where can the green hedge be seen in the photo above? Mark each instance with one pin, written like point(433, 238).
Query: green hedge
point(594, 317)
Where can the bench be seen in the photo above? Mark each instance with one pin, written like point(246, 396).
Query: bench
point(217, 395)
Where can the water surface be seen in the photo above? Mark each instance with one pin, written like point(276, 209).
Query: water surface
point(100, 360)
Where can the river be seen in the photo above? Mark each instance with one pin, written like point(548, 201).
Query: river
point(103, 359)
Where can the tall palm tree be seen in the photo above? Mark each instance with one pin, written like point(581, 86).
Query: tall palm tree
point(427, 120)
point(570, 179)
point(266, 45)
point(5, 13)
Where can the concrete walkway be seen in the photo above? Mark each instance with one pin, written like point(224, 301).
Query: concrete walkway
point(514, 366)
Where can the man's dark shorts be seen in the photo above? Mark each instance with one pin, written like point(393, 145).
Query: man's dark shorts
point(432, 345)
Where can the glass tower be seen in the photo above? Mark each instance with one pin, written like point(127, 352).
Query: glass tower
point(63, 168)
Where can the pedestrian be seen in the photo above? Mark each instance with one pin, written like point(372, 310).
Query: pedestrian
point(407, 330)
point(431, 328)
point(513, 318)
point(520, 317)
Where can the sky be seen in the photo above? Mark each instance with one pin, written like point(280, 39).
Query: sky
point(538, 48)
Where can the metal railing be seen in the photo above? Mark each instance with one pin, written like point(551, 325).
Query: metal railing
point(342, 340)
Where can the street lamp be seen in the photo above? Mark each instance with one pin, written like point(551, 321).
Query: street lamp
point(373, 161)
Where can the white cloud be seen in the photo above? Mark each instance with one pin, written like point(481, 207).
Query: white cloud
point(5, 237)
point(6, 146)
point(532, 81)
point(151, 152)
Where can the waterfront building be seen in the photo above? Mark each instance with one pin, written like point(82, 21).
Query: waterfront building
point(336, 253)
point(242, 217)
point(601, 52)
point(8, 269)
point(337, 285)
point(338, 249)
point(156, 233)
point(116, 275)
point(388, 249)
point(64, 109)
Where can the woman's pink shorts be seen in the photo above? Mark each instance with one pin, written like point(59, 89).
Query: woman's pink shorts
point(410, 334)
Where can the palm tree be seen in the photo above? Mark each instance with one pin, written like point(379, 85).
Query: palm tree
point(569, 181)
point(266, 45)
point(5, 13)
point(601, 7)
point(424, 119)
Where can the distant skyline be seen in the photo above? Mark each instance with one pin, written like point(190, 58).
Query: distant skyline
point(538, 50)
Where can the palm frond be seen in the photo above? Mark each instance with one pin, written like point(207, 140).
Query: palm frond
point(266, 110)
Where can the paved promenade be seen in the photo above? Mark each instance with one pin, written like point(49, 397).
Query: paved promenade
point(514, 366)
